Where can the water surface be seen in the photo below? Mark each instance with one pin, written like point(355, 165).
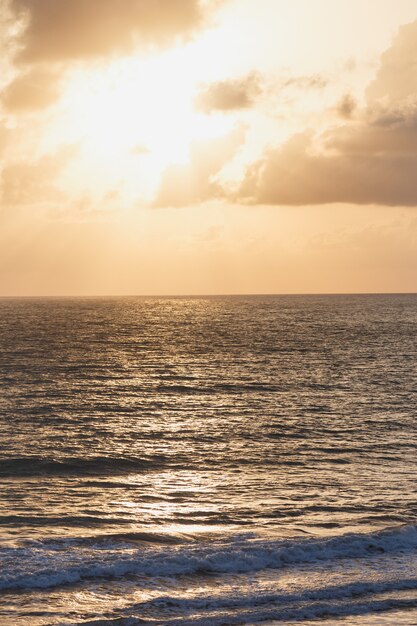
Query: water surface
point(224, 460)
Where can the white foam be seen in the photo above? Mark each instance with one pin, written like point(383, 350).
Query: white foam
point(44, 566)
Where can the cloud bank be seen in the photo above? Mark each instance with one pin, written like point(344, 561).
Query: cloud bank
point(59, 30)
point(368, 160)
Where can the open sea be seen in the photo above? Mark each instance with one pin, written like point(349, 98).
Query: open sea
point(208, 461)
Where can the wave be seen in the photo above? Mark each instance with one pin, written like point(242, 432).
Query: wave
point(332, 592)
point(90, 466)
point(101, 466)
point(226, 388)
point(46, 566)
point(279, 614)
point(65, 521)
point(113, 539)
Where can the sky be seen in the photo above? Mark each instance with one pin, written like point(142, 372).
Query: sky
point(166, 147)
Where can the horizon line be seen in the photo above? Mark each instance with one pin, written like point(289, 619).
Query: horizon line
point(211, 295)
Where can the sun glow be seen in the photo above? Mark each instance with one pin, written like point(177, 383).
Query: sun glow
point(134, 118)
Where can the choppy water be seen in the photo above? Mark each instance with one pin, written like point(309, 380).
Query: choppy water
point(208, 461)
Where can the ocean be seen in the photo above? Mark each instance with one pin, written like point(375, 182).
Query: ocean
point(208, 461)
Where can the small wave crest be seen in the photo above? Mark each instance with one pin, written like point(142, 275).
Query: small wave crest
point(90, 466)
point(309, 610)
point(46, 566)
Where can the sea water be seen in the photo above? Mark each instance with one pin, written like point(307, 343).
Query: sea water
point(208, 461)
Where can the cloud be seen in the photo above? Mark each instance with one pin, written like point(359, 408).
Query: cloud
point(396, 78)
point(401, 116)
point(40, 38)
point(346, 106)
point(229, 95)
point(372, 160)
point(242, 93)
point(314, 81)
point(297, 175)
point(34, 89)
point(59, 30)
point(183, 185)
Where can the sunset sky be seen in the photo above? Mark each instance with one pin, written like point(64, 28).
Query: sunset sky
point(220, 146)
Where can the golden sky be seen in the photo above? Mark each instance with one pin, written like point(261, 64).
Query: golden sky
point(213, 146)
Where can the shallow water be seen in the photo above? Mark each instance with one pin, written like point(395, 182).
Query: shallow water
point(228, 460)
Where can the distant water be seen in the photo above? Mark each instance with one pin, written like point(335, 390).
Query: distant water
point(208, 461)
